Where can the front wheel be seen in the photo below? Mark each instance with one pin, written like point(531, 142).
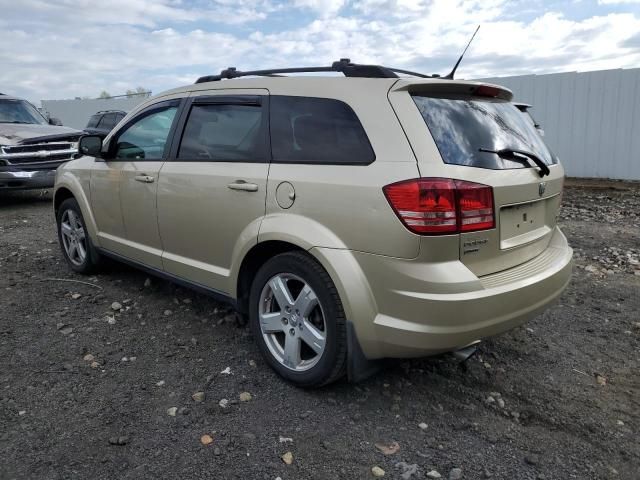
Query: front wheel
point(74, 239)
point(297, 319)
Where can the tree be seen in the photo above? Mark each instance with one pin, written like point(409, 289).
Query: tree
point(104, 94)
point(144, 92)
point(139, 92)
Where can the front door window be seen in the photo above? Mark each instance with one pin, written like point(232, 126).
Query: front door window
point(147, 137)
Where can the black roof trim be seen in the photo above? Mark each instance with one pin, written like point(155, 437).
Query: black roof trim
point(343, 65)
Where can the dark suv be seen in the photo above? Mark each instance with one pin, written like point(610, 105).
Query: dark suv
point(101, 123)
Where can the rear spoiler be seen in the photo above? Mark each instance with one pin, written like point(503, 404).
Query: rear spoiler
point(445, 87)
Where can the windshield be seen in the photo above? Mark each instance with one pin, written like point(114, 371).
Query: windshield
point(461, 126)
point(19, 111)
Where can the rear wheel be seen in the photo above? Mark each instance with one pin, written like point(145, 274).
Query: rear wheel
point(76, 245)
point(297, 319)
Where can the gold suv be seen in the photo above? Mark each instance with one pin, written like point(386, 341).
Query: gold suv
point(348, 218)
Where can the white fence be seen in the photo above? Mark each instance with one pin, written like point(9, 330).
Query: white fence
point(591, 120)
point(76, 113)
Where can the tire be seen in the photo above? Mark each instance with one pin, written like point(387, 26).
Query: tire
point(314, 311)
point(83, 258)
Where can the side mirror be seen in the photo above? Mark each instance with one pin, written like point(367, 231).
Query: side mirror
point(90, 145)
point(55, 121)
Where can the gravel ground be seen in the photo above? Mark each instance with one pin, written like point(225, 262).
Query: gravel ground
point(163, 384)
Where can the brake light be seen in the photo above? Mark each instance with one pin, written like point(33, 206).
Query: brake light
point(487, 91)
point(433, 206)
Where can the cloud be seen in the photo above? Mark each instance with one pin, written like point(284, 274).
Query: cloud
point(323, 7)
point(632, 42)
point(79, 48)
point(617, 2)
point(143, 13)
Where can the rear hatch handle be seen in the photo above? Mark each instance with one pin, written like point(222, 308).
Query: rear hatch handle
point(516, 156)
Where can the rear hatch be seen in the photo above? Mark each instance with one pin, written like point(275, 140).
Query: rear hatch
point(455, 128)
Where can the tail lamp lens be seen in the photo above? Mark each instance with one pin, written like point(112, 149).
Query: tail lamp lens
point(475, 204)
point(432, 206)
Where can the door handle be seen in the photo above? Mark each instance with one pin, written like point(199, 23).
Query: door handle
point(243, 186)
point(144, 178)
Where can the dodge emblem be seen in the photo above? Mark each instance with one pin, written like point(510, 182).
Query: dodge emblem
point(542, 187)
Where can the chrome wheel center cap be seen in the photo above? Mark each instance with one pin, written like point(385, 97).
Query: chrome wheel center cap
point(293, 320)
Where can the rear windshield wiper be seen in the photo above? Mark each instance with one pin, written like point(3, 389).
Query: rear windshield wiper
point(512, 154)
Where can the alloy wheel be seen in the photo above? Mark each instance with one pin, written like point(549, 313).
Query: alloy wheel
point(292, 322)
point(73, 237)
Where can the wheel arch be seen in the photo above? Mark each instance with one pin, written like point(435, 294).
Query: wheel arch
point(342, 269)
point(61, 194)
point(68, 186)
point(257, 256)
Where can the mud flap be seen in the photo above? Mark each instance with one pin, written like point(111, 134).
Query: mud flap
point(359, 367)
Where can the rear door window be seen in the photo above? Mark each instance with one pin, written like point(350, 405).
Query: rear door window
point(462, 126)
point(317, 130)
point(219, 132)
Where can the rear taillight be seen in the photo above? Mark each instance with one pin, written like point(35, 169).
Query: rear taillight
point(475, 204)
point(432, 206)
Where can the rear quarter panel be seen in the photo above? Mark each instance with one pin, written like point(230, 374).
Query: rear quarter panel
point(343, 206)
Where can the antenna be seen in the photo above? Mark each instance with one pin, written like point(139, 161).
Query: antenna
point(455, 67)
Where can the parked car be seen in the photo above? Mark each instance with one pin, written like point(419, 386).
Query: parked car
point(348, 219)
point(101, 123)
point(31, 147)
point(526, 109)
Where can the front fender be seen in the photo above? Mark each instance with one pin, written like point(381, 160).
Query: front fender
point(79, 188)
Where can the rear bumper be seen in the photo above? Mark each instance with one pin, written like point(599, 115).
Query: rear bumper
point(12, 178)
point(428, 308)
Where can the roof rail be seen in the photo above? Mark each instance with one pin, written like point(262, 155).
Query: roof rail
point(343, 65)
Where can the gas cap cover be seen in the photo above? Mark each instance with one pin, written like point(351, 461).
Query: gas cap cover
point(285, 195)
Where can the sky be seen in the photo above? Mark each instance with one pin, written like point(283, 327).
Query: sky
point(76, 48)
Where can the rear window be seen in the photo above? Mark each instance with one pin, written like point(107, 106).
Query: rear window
point(317, 130)
point(461, 126)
